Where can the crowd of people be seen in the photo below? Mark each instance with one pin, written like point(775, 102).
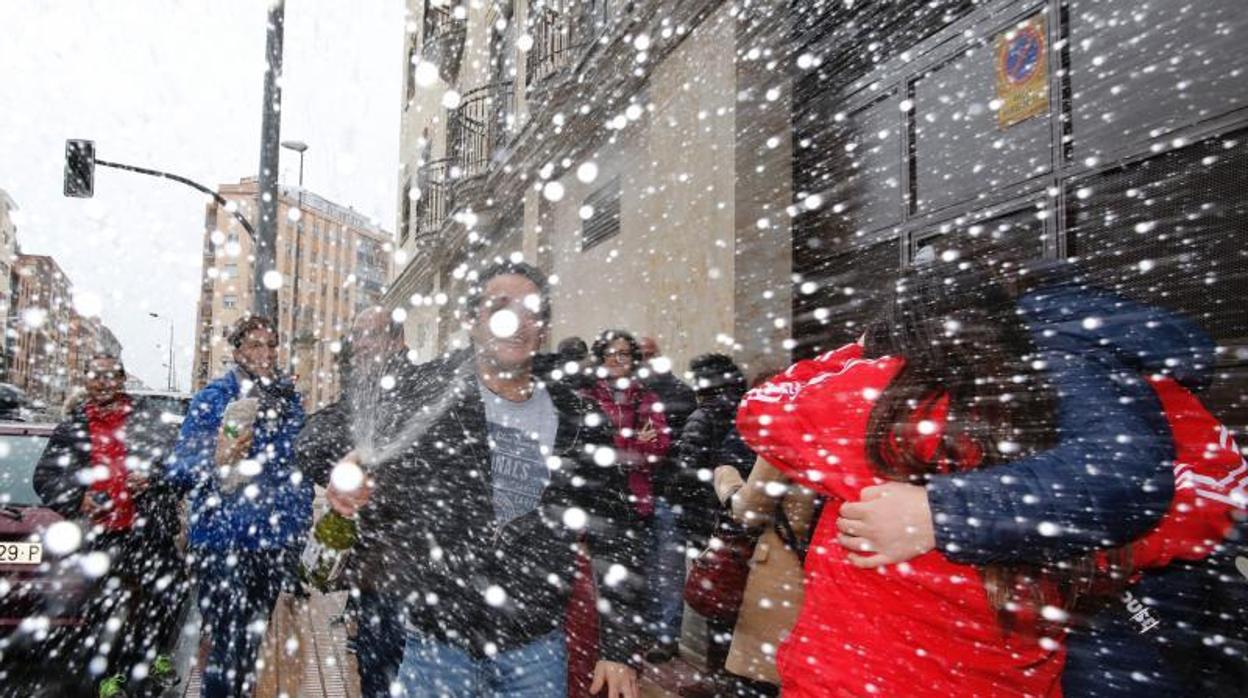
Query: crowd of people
point(1007, 485)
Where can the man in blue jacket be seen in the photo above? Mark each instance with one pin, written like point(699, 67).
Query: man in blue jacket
point(250, 507)
point(1108, 480)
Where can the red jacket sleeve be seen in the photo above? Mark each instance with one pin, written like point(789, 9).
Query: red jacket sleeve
point(1211, 478)
point(810, 421)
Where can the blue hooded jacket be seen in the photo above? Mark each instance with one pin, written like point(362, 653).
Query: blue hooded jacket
point(275, 513)
point(1108, 480)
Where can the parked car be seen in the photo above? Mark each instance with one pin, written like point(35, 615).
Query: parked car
point(173, 406)
point(14, 404)
point(42, 593)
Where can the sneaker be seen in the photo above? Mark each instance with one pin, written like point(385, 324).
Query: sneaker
point(162, 672)
point(113, 687)
point(662, 652)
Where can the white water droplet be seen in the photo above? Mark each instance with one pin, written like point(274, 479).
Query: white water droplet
point(62, 537)
point(495, 595)
point(553, 191)
point(604, 456)
point(575, 518)
point(587, 172)
point(273, 279)
point(347, 476)
point(504, 323)
point(426, 74)
point(95, 564)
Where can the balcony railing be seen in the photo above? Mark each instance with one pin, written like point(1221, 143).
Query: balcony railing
point(560, 29)
point(434, 182)
point(440, 21)
point(480, 126)
point(444, 35)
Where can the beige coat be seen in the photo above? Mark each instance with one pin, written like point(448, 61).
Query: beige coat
point(773, 591)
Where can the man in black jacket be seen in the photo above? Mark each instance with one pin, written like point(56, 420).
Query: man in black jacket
point(102, 467)
point(667, 572)
point(474, 521)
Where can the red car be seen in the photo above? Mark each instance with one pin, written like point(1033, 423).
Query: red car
point(41, 594)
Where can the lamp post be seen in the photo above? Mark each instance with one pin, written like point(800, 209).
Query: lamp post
point(158, 316)
point(299, 147)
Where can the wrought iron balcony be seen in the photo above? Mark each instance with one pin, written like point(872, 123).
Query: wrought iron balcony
point(479, 128)
point(434, 183)
point(443, 42)
point(560, 29)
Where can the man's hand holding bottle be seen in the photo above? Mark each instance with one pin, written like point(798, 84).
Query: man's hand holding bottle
point(349, 486)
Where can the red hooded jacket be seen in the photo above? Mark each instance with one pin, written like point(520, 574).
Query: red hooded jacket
point(919, 628)
point(925, 627)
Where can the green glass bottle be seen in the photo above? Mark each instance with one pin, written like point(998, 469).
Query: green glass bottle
point(323, 560)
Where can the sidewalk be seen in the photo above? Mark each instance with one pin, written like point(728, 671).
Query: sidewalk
point(327, 669)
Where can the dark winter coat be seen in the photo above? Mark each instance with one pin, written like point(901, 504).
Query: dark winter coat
point(278, 517)
point(679, 400)
point(709, 440)
point(148, 438)
point(428, 534)
point(1108, 480)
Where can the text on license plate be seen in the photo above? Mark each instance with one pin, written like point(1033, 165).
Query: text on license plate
point(21, 553)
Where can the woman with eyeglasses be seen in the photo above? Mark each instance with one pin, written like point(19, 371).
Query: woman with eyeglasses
point(642, 439)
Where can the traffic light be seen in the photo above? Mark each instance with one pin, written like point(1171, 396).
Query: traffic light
point(79, 168)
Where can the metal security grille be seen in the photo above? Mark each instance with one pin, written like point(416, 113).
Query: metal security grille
point(1170, 230)
point(837, 296)
point(604, 221)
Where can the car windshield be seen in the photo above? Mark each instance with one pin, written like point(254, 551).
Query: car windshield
point(18, 455)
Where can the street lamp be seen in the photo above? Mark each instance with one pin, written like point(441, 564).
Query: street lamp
point(299, 147)
point(158, 316)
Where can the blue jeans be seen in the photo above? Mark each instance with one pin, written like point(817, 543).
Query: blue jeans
point(537, 670)
point(379, 641)
point(665, 574)
point(235, 602)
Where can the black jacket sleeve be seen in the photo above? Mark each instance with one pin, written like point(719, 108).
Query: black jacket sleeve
point(56, 473)
point(325, 439)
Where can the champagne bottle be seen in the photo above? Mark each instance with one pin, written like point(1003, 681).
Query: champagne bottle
point(323, 560)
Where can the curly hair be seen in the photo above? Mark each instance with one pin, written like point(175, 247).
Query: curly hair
point(249, 324)
point(607, 337)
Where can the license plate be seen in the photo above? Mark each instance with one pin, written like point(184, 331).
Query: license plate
point(21, 553)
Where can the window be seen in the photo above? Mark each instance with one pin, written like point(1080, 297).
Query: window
point(231, 270)
point(411, 72)
point(601, 215)
point(405, 217)
point(229, 300)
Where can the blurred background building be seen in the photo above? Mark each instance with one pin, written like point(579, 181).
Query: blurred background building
point(337, 265)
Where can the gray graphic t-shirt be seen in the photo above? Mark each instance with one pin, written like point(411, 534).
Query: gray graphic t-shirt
point(522, 435)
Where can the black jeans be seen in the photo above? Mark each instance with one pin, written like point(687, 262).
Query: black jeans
point(379, 641)
point(236, 601)
point(147, 597)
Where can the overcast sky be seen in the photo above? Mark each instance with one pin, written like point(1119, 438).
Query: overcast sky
point(176, 85)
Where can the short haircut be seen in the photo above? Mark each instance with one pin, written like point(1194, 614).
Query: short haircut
point(716, 373)
point(249, 324)
point(606, 338)
point(476, 292)
point(105, 356)
point(573, 349)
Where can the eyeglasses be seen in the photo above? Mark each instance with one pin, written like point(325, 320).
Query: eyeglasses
point(617, 354)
